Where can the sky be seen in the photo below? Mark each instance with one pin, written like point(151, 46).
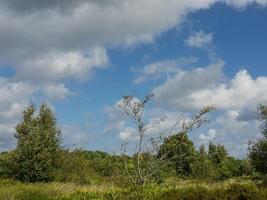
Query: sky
point(81, 57)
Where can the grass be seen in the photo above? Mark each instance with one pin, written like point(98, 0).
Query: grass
point(173, 189)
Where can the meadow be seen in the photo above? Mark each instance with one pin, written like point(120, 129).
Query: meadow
point(170, 190)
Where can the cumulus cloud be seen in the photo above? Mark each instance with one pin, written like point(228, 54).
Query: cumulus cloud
point(177, 91)
point(56, 91)
point(191, 90)
point(234, 133)
point(33, 32)
point(50, 41)
point(199, 39)
point(128, 134)
point(55, 40)
point(57, 66)
point(241, 92)
point(236, 100)
point(160, 69)
point(74, 136)
point(209, 136)
point(14, 96)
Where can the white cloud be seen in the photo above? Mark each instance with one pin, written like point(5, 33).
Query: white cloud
point(128, 134)
point(244, 3)
point(162, 68)
point(210, 135)
point(14, 96)
point(116, 120)
point(50, 41)
point(241, 92)
point(235, 134)
point(58, 66)
point(55, 34)
point(199, 39)
point(177, 91)
point(74, 135)
point(191, 90)
point(56, 91)
point(236, 101)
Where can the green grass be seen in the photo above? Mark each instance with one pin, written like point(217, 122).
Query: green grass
point(170, 190)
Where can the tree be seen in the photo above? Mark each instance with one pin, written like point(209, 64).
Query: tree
point(177, 148)
point(202, 150)
point(258, 148)
point(202, 167)
point(145, 164)
point(217, 153)
point(143, 170)
point(180, 151)
point(37, 152)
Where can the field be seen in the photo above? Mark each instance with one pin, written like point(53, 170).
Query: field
point(170, 190)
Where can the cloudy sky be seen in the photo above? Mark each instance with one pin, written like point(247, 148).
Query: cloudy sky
point(82, 56)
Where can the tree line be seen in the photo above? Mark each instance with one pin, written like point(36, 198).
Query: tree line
point(40, 157)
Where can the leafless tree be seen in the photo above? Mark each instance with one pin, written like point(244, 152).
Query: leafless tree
point(134, 109)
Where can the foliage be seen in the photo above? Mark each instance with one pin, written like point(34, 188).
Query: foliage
point(74, 167)
point(36, 155)
point(202, 167)
point(258, 149)
point(217, 153)
point(104, 164)
point(180, 151)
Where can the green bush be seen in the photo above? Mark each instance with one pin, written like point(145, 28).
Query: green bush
point(74, 167)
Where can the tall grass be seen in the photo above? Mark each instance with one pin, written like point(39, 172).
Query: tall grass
point(170, 190)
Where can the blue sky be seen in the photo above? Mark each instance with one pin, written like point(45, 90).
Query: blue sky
point(81, 57)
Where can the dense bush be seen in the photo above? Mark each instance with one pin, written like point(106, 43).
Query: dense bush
point(74, 167)
point(202, 168)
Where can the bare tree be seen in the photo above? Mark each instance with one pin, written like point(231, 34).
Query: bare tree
point(134, 109)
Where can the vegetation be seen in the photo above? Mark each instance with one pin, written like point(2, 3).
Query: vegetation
point(258, 149)
point(40, 168)
point(36, 155)
point(171, 190)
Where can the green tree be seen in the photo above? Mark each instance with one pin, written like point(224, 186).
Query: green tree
point(180, 151)
point(217, 153)
point(202, 150)
point(258, 149)
point(202, 167)
point(246, 167)
point(37, 152)
point(178, 148)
